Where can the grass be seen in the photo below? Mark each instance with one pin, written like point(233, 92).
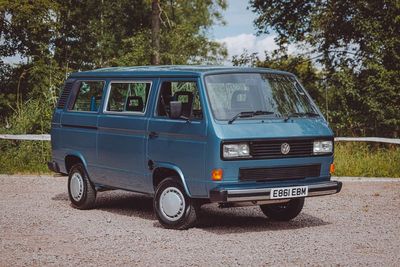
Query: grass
point(367, 159)
point(24, 157)
point(351, 158)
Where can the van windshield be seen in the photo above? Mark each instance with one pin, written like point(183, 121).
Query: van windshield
point(256, 93)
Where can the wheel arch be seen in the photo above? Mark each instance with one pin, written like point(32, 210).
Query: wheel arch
point(72, 158)
point(164, 170)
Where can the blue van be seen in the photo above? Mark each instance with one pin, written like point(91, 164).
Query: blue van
point(193, 135)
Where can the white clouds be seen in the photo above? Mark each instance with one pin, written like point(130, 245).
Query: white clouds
point(237, 44)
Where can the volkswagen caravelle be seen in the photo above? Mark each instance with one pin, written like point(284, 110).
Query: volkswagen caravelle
point(193, 135)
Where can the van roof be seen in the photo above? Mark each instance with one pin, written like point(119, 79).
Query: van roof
point(168, 70)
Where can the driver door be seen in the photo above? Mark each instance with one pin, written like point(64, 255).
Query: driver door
point(179, 142)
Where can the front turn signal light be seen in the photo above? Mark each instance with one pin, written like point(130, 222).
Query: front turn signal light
point(332, 168)
point(216, 174)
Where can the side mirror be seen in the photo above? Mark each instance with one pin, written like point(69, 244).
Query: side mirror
point(175, 109)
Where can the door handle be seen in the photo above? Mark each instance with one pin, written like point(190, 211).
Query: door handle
point(153, 135)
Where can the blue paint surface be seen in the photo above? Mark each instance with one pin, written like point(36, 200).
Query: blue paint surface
point(117, 149)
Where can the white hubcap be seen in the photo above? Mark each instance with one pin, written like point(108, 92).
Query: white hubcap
point(172, 203)
point(76, 186)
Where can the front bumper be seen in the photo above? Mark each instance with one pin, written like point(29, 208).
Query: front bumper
point(226, 195)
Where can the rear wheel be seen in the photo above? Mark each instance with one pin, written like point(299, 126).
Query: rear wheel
point(174, 209)
point(283, 211)
point(82, 193)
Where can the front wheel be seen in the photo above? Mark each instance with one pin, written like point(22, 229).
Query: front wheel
point(174, 209)
point(283, 211)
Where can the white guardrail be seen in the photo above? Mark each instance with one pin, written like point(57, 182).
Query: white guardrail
point(33, 137)
point(46, 137)
point(368, 139)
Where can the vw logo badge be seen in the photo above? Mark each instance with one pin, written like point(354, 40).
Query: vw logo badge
point(285, 148)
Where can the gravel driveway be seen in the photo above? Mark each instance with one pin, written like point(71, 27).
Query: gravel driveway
point(359, 226)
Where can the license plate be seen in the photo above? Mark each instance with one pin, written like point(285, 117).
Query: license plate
point(289, 192)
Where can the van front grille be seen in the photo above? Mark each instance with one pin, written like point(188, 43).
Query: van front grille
point(279, 173)
point(272, 148)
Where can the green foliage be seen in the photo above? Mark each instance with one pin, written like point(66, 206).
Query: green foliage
point(27, 27)
point(91, 33)
point(183, 36)
point(31, 114)
point(24, 156)
point(357, 45)
point(367, 160)
point(56, 37)
point(6, 97)
point(32, 106)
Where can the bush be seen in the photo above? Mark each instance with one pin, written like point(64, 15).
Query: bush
point(24, 156)
point(367, 159)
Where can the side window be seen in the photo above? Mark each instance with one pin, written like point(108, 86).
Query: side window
point(128, 96)
point(89, 96)
point(185, 92)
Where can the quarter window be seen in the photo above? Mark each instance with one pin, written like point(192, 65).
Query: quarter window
point(128, 96)
point(89, 96)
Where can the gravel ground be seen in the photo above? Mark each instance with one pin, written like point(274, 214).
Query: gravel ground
point(359, 226)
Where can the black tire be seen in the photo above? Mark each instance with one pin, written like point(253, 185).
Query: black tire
point(185, 216)
point(81, 191)
point(283, 211)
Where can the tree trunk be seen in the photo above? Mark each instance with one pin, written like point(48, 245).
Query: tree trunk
point(155, 32)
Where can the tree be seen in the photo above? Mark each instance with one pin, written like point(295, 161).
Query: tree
point(27, 30)
point(155, 32)
point(183, 36)
point(56, 37)
point(357, 44)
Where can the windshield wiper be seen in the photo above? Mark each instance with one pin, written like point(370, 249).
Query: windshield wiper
point(301, 114)
point(249, 114)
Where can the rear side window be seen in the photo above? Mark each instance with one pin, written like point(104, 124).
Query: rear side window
point(128, 96)
point(89, 96)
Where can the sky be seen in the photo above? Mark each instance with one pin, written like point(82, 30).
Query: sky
point(240, 33)
point(239, 20)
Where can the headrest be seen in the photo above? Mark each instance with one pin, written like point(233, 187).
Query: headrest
point(134, 103)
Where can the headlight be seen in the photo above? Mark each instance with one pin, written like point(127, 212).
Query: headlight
point(241, 150)
point(322, 147)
